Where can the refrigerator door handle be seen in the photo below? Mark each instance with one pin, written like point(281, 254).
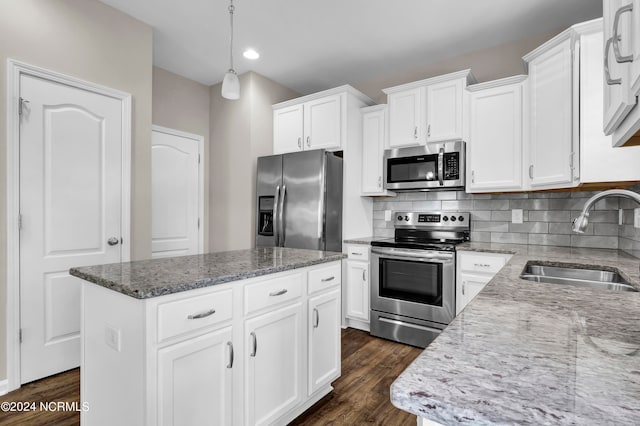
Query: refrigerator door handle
point(281, 225)
point(276, 228)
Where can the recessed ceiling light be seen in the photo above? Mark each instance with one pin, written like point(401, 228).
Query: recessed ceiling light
point(251, 54)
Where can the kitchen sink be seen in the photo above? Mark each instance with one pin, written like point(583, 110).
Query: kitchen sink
point(576, 275)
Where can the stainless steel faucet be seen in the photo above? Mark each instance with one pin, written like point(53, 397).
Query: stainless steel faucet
point(581, 222)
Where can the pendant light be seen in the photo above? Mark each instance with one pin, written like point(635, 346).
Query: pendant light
point(231, 83)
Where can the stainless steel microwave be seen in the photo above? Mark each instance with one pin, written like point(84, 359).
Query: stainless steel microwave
point(429, 167)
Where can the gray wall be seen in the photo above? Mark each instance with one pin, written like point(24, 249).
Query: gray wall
point(547, 216)
point(97, 43)
point(183, 104)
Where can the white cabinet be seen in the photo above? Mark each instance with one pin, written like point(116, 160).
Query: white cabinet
point(374, 142)
point(314, 124)
point(474, 270)
point(195, 380)
point(357, 287)
point(496, 135)
point(324, 342)
point(430, 110)
point(273, 382)
point(551, 119)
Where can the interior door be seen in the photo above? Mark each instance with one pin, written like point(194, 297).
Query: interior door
point(70, 204)
point(175, 194)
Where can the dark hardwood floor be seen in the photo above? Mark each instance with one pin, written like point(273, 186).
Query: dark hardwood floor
point(360, 395)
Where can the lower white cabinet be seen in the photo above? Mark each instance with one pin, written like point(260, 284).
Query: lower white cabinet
point(473, 271)
point(274, 364)
point(357, 287)
point(251, 352)
point(324, 342)
point(195, 380)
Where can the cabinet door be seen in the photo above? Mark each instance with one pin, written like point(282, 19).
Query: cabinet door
point(322, 123)
point(357, 290)
point(468, 287)
point(324, 340)
point(273, 379)
point(194, 381)
point(287, 129)
point(495, 139)
point(373, 128)
point(618, 99)
point(551, 143)
point(405, 116)
point(444, 110)
point(634, 36)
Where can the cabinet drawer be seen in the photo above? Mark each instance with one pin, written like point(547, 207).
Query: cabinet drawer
point(272, 292)
point(358, 252)
point(327, 277)
point(476, 262)
point(193, 313)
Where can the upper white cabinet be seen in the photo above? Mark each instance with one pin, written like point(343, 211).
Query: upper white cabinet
point(374, 142)
point(621, 43)
point(430, 110)
point(316, 121)
point(552, 145)
point(496, 135)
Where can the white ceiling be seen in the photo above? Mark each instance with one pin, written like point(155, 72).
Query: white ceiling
point(311, 45)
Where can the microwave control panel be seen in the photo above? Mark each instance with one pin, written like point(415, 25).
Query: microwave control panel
point(452, 166)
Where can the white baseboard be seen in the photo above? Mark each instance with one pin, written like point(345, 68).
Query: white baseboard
point(4, 386)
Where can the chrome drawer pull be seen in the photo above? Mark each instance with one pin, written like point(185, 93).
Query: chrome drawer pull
point(202, 314)
point(482, 265)
point(324, 280)
point(278, 293)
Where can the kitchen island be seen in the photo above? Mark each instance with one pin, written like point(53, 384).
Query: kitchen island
point(240, 337)
point(524, 352)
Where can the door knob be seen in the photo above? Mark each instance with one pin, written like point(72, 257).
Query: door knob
point(113, 241)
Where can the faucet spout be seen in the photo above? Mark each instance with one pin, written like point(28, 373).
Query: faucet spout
point(581, 222)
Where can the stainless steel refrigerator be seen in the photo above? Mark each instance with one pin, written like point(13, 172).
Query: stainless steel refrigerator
point(299, 200)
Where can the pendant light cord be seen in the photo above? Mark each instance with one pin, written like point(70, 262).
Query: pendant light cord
point(231, 10)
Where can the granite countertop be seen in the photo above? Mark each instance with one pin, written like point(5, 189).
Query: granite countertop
point(150, 278)
point(363, 240)
point(533, 353)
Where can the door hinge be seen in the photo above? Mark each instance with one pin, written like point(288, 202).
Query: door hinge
point(20, 335)
point(20, 222)
point(21, 103)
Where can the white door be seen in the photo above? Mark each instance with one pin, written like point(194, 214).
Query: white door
point(175, 194)
point(405, 112)
point(324, 340)
point(195, 381)
point(287, 129)
point(70, 202)
point(357, 290)
point(444, 111)
point(322, 124)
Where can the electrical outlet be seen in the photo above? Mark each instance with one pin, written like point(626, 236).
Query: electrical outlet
point(112, 338)
point(516, 216)
point(387, 215)
point(636, 218)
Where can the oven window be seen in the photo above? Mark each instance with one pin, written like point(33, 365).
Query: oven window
point(412, 169)
point(419, 282)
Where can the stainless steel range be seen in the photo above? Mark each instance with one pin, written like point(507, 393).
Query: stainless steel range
point(413, 292)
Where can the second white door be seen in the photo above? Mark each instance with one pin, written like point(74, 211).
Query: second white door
point(176, 193)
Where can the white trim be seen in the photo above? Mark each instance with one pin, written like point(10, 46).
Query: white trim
point(467, 75)
point(4, 387)
point(14, 70)
point(201, 201)
point(497, 83)
point(330, 92)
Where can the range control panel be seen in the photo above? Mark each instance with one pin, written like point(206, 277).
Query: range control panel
point(431, 219)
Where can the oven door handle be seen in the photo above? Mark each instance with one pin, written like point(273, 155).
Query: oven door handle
point(424, 257)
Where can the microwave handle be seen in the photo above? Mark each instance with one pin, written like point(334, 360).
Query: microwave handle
point(441, 166)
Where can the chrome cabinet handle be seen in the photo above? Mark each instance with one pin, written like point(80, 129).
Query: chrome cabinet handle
point(276, 228)
point(299, 142)
point(202, 314)
point(278, 293)
point(607, 74)
point(463, 283)
point(324, 280)
point(531, 171)
point(316, 316)
point(415, 132)
point(308, 140)
point(113, 241)
point(617, 37)
point(364, 278)
point(230, 346)
point(428, 130)
point(473, 176)
point(254, 344)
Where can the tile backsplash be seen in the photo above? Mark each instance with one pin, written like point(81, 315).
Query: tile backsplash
point(629, 237)
point(547, 217)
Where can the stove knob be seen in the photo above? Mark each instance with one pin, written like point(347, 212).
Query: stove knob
point(399, 217)
point(461, 218)
point(453, 218)
point(406, 218)
point(445, 218)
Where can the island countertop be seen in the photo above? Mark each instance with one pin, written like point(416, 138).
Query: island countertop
point(524, 352)
point(156, 277)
